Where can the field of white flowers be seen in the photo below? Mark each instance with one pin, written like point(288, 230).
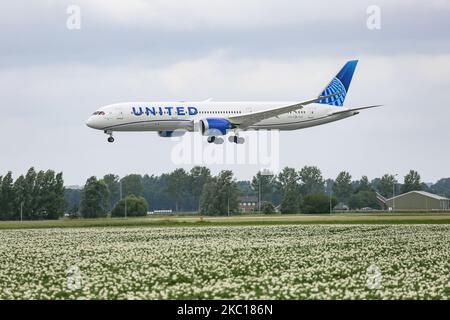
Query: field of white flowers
point(265, 262)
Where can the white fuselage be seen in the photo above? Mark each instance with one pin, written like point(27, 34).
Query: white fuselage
point(168, 116)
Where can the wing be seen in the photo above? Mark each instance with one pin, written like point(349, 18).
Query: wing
point(246, 120)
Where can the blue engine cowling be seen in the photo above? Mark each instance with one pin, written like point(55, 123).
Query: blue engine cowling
point(215, 126)
point(170, 134)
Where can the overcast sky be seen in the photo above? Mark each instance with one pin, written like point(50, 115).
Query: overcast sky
point(53, 78)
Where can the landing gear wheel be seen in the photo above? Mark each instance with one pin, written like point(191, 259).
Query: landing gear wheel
point(236, 139)
point(111, 139)
point(211, 139)
point(218, 140)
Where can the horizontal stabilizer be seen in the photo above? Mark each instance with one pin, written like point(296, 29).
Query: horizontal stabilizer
point(357, 109)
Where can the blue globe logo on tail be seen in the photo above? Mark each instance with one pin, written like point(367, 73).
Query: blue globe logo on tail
point(339, 85)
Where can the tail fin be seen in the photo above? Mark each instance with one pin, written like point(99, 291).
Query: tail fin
point(339, 85)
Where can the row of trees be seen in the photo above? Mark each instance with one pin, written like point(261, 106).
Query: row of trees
point(35, 195)
point(196, 190)
point(41, 195)
point(292, 190)
point(95, 201)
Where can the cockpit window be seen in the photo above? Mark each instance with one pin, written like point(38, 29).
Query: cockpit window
point(100, 113)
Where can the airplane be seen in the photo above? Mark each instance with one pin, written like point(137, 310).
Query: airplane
point(215, 119)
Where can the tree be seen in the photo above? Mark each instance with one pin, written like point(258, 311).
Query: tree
point(177, 184)
point(386, 185)
point(7, 197)
point(411, 182)
point(374, 184)
point(135, 206)
point(267, 208)
point(364, 184)
point(286, 179)
point(290, 202)
point(26, 194)
point(245, 187)
point(72, 198)
point(94, 199)
point(49, 195)
point(208, 198)
point(442, 187)
point(220, 195)
point(155, 192)
point(317, 203)
point(132, 184)
point(113, 184)
point(311, 180)
point(198, 176)
point(53, 203)
point(363, 199)
point(342, 187)
point(22, 198)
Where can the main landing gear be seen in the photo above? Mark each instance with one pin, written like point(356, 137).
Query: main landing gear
point(214, 139)
point(219, 140)
point(236, 139)
point(110, 138)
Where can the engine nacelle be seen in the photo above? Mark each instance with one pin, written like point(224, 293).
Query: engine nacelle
point(170, 134)
point(215, 126)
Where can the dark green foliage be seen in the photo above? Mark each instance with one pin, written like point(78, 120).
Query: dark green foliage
point(291, 200)
point(8, 198)
point(412, 182)
point(364, 184)
point(442, 187)
point(342, 187)
point(132, 184)
point(155, 192)
point(364, 199)
point(94, 199)
point(72, 198)
point(113, 184)
point(39, 194)
point(311, 180)
point(317, 203)
point(245, 188)
point(177, 186)
point(287, 178)
point(386, 185)
point(220, 195)
point(198, 176)
point(267, 208)
point(135, 206)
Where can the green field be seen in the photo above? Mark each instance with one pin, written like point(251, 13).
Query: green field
point(177, 221)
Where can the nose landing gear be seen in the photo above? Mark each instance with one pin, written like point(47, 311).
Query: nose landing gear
point(110, 138)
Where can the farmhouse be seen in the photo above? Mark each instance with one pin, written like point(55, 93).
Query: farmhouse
point(248, 204)
point(418, 201)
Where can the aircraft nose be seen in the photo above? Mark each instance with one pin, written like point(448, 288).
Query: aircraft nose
point(91, 122)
